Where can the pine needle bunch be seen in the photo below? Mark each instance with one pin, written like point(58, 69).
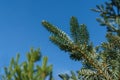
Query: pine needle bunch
point(28, 70)
point(101, 62)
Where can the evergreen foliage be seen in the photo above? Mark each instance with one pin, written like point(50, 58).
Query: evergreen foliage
point(101, 62)
point(28, 70)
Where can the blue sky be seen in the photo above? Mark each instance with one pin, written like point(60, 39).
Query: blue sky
point(21, 29)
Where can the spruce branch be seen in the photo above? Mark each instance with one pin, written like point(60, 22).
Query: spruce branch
point(65, 45)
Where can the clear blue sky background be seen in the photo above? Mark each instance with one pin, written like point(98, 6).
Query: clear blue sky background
point(21, 29)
